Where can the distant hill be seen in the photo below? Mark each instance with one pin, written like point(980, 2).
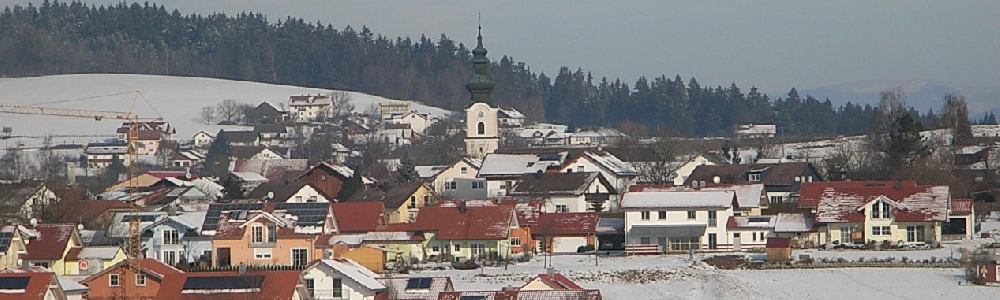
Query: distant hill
point(920, 94)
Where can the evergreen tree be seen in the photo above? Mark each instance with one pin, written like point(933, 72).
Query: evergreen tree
point(217, 159)
point(232, 189)
point(407, 171)
point(351, 186)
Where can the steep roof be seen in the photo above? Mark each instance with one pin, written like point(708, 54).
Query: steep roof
point(358, 216)
point(47, 241)
point(771, 174)
point(272, 169)
point(352, 270)
point(795, 222)
point(26, 285)
point(910, 202)
point(283, 190)
point(476, 223)
point(611, 163)
point(555, 281)
point(575, 183)
point(151, 267)
point(219, 285)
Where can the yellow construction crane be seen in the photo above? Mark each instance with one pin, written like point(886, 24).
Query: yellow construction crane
point(134, 244)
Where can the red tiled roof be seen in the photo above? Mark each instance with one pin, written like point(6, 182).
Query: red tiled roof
point(85, 211)
point(777, 242)
point(778, 173)
point(51, 241)
point(811, 192)
point(557, 281)
point(525, 295)
point(358, 216)
point(38, 285)
point(477, 223)
point(961, 206)
point(566, 223)
point(152, 267)
point(528, 213)
point(840, 202)
point(275, 285)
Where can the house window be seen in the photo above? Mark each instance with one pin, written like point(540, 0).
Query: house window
point(114, 280)
point(435, 248)
point(300, 257)
point(171, 237)
point(257, 234)
point(754, 177)
point(880, 210)
point(914, 234)
point(413, 202)
point(754, 236)
point(311, 286)
point(338, 288)
point(562, 208)
point(845, 234)
point(478, 184)
point(464, 170)
point(170, 257)
point(645, 215)
point(450, 185)
point(692, 215)
point(140, 279)
point(482, 128)
point(272, 233)
point(644, 240)
point(298, 198)
point(690, 243)
point(477, 250)
point(776, 199)
point(880, 230)
point(579, 168)
point(712, 219)
point(458, 247)
point(662, 215)
point(515, 241)
point(312, 199)
point(262, 253)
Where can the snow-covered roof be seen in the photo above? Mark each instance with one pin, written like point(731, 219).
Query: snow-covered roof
point(517, 164)
point(429, 171)
point(789, 222)
point(679, 199)
point(613, 163)
point(350, 239)
point(71, 283)
point(510, 112)
point(118, 228)
point(103, 252)
point(355, 272)
point(751, 222)
point(339, 168)
point(747, 195)
point(249, 176)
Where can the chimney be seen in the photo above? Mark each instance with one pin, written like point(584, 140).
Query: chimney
point(899, 185)
point(242, 269)
point(461, 206)
point(172, 210)
point(550, 271)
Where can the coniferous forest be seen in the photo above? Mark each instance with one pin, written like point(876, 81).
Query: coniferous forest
point(60, 37)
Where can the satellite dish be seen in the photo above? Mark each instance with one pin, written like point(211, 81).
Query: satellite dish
point(33, 222)
point(716, 179)
point(79, 227)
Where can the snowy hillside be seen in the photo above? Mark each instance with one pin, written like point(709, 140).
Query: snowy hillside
point(920, 94)
point(177, 99)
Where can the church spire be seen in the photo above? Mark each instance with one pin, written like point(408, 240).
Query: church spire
point(480, 84)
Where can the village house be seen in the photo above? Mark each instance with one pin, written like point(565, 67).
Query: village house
point(309, 108)
point(253, 152)
point(100, 155)
point(112, 282)
point(393, 109)
point(32, 285)
point(239, 138)
point(175, 239)
point(402, 200)
point(501, 171)
point(781, 180)
point(459, 180)
point(544, 286)
point(899, 212)
point(327, 177)
point(601, 136)
point(186, 159)
point(544, 134)
point(271, 134)
point(461, 233)
point(24, 200)
point(150, 135)
point(234, 285)
point(418, 122)
point(291, 191)
point(619, 173)
point(357, 217)
point(11, 247)
point(58, 247)
point(267, 233)
point(565, 192)
point(565, 232)
point(679, 221)
point(342, 279)
point(265, 113)
point(202, 139)
point(272, 169)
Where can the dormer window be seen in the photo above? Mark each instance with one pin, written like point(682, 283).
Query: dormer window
point(754, 177)
point(880, 210)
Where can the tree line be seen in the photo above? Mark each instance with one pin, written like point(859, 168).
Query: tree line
point(60, 37)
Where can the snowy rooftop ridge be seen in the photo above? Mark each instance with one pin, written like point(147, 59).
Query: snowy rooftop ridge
point(680, 199)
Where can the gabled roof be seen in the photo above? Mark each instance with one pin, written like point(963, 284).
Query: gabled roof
point(352, 270)
point(566, 223)
point(15, 194)
point(47, 241)
point(476, 223)
point(282, 191)
point(358, 216)
point(337, 169)
point(27, 285)
point(795, 222)
point(86, 211)
point(771, 174)
point(272, 169)
point(611, 163)
point(151, 267)
point(230, 285)
point(514, 165)
point(94, 252)
point(7, 235)
point(413, 288)
point(575, 183)
point(229, 220)
point(556, 281)
point(840, 202)
point(119, 225)
point(678, 200)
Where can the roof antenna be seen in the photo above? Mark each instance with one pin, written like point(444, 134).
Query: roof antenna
point(480, 24)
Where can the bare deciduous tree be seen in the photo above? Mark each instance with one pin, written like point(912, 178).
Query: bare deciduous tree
point(207, 114)
point(341, 104)
point(228, 109)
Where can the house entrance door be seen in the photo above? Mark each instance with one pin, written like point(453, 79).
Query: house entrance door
point(712, 241)
point(222, 259)
point(736, 242)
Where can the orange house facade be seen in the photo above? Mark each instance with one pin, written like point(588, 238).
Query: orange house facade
point(117, 281)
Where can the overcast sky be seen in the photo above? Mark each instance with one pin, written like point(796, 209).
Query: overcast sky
point(775, 45)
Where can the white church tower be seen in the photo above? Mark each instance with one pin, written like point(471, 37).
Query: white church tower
point(482, 132)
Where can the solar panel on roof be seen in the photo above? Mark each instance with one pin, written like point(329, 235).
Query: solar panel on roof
point(473, 298)
point(548, 157)
point(5, 238)
point(141, 218)
point(223, 282)
point(758, 219)
point(14, 283)
point(419, 283)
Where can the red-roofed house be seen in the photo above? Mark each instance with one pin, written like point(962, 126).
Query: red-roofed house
point(328, 177)
point(31, 285)
point(565, 232)
point(898, 212)
point(233, 285)
point(468, 232)
point(48, 245)
point(111, 282)
point(358, 217)
point(553, 282)
point(267, 233)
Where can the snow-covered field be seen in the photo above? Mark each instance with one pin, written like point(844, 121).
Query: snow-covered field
point(676, 277)
point(177, 99)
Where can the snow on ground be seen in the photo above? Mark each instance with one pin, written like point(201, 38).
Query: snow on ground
point(676, 277)
point(178, 99)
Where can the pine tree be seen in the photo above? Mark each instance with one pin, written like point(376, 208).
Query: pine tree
point(232, 189)
point(407, 172)
point(217, 158)
point(351, 186)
